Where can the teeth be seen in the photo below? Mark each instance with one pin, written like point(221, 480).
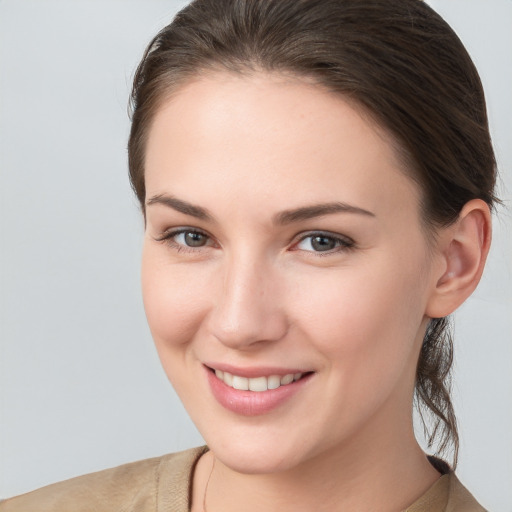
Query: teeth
point(273, 382)
point(287, 379)
point(257, 384)
point(241, 383)
point(228, 379)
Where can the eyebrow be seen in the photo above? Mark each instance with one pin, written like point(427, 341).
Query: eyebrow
point(281, 218)
point(317, 210)
point(181, 206)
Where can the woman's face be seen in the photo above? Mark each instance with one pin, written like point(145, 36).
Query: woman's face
point(282, 240)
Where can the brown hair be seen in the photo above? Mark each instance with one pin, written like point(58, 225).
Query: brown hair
point(397, 59)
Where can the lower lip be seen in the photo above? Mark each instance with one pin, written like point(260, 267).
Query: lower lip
point(252, 403)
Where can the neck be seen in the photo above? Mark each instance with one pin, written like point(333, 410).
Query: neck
point(389, 477)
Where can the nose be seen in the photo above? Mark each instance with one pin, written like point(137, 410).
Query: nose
point(248, 311)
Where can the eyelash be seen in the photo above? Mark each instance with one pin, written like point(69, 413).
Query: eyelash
point(169, 236)
point(342, 243)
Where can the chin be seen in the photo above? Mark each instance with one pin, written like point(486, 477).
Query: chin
point(257, 458)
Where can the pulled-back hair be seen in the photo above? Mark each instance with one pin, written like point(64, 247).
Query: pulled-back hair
point(398, 60)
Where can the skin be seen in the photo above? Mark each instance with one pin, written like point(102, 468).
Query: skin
point(257, 293)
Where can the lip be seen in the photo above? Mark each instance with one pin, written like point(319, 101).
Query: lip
point(254, 371)
point(251, 403)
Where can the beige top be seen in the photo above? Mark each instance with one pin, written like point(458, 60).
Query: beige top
point(163, 484)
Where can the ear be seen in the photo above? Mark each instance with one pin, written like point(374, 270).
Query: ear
point(463, 248)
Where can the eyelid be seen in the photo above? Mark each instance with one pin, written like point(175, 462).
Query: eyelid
point(168, 235)
point(345, 243)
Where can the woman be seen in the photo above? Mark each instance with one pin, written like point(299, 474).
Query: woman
point(316, 180)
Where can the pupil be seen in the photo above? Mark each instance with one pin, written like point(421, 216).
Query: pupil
point(194, 239)
point(322, 243)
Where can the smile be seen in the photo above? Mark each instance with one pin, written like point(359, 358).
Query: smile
point(257, 390)
point(257, 384)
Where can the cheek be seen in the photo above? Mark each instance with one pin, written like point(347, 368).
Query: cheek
point(366, 319)
point(366, 327)
point(175, 299)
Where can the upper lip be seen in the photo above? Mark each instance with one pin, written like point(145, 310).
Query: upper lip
point(254, 371)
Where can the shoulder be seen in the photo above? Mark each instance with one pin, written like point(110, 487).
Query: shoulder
point(446, 495)
point(135, 486)
point(460, 499)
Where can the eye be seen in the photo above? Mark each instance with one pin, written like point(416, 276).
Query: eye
point(191, 238)
point(185, 239)
point(323, 243)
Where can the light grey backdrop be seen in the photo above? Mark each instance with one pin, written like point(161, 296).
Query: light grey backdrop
point(81, 387)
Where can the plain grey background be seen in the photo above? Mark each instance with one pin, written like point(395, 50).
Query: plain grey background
point(81, 388)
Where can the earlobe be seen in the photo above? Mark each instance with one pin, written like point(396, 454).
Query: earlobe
point(464, 249)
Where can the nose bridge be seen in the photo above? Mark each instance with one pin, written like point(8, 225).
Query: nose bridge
point(247, 311)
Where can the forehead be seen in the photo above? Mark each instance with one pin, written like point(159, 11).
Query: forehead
point(270, 133)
